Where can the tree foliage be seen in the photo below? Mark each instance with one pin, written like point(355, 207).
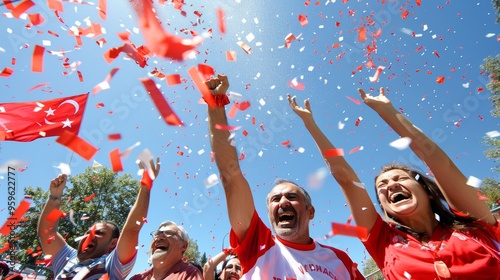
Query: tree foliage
point(491, 68)
point(93, 195)
point(496, 5)
point(371, 270)
point(192, 252)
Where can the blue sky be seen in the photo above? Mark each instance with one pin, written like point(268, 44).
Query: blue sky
point(438, 38)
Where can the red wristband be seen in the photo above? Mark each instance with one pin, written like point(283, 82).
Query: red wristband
point(228, 251)
point(146, 180)
point(221, 100)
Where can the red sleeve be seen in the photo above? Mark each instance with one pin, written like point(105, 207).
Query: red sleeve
point(377, 241)
point(256, 242)
point(351, 266)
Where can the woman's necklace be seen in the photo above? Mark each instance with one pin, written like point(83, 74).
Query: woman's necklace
point(440, 267)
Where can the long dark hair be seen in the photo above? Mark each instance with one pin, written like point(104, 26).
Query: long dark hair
point(437, 199)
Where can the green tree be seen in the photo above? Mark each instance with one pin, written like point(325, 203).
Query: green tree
point(496, 5)
point(203, 259)
point(93, 195)
point(192, 252)
point(491, 68)
point(371, 270)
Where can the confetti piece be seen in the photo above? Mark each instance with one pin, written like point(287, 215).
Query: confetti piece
point(493, 134)
point(334, 152)
point(14, 219)
point(358, 121)
point(114, 137)
point(96, 165)
point(359, 185)
point(54, 215)
point(89, 198)
point(296, 85)
point(355, 149)
point(474, 182)
point(303, 20)
point(102, 8)
point(6, 246)
point(161, 42)
point(285, 143)
point(401, 144)
point(173, 79)
point(80, 76)
point(116, 162)
point(246, 48)
point(127, 152)
point(105, 83)
point(206, 71)
point(404, 15)
point(376, 76)
point(21, 8)
point(64, 167)
point(440, 79)
point(205, 92)
point(55, 5)
point(146, 180)
point(232, 112)
point(345, 229)
point(72, 216)
point(161, 104)
point(146, 157)
point(362, 34)
point(36, 19)
point(211, 181)
point(221, 21)
point(89, 238)
point(227, 127)
point(242, 106)
point(37, 59)
point(230, 55)
point(77, 145)
point(357, 102)
point(6, 72)
point(38, 86)
point(316, 179)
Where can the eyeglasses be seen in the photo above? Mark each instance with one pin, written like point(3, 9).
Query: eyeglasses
point(230, 266)
point(166, 233)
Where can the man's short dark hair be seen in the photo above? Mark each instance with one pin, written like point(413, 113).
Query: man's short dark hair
point(116, 229)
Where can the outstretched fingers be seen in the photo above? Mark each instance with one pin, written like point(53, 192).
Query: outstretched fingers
point(362, 93)
point(155, 167)
point(307, 105)
point(291, 101)
point(381, 91)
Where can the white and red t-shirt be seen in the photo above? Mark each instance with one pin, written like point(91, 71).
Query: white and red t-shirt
point(264, 256)
point(468, 255)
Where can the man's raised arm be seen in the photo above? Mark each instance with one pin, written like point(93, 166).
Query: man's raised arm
point(52, 242)
point(239, 199)
point(129, 237)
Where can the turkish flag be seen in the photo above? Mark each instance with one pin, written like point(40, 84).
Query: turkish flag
point(27, 121)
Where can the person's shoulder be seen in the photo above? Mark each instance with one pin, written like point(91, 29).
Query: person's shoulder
point(333, 249)
point(141, 275)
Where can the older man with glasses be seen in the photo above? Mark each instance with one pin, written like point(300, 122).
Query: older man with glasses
point(168, 246)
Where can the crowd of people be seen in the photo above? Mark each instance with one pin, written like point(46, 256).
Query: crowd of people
point(431, 228)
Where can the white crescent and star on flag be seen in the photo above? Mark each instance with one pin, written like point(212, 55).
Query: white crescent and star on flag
point(67, 122)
